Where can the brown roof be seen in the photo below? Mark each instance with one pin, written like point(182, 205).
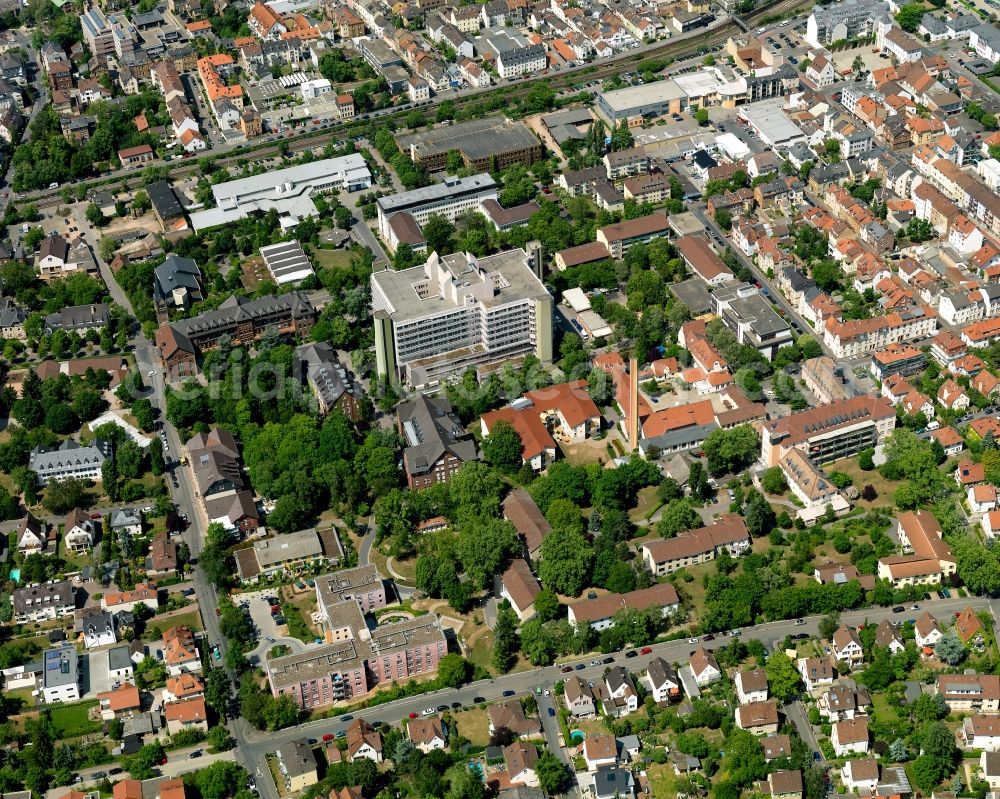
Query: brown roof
point(886, 634)
point(753, 680)
point(519, 756)
point(967, 624)
point(758, 714)
point(509, 216)
point(866, 769)
point(782, 782)
point(642, 226)
point(520, 510)
point(701, 257)
point(776, 746)
point(584, 253)
point(844, 636)
point(604, 607)
point(186, 710)
point(829, 572)
point(163, 553)
point(520, 583)
point(600, 746)
point(425, 730)
point(728, 529)
point(575, 688)
point(129, 152)
point(926, 624)
point(510, 714)
point(802, 426)
point(852, 730)
point(957, 686)
point(360, 733)
point(923, 531)
point(406, 228)
point(701, 659)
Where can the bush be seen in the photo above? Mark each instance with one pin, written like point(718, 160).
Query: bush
point(841, 480)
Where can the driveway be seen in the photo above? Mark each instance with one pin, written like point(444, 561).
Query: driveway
point(550, 727)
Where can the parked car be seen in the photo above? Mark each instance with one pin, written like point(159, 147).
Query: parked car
point(329, 736)
point(508, 693)
point(552, 712)
point(631, 654)
point(646, 650)
point(566, 669)
point(478, 700)
point(196, 753)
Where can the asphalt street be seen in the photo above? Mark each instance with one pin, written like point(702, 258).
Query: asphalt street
point(521, 683)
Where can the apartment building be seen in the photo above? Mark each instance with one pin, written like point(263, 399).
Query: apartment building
point(43, 602)
point(437, 444)
point(852, 338)
point(897, 359)
point(824, 378)
point(242, 320)
point(809, 483)
point(69, 459)
point(60, 681)
point(848, 19)
point(622, 235)
point(289, 552)
point(829, 432)
point(355, 658)
point(458, 311)
point(599, 613)
point(931, 560)
point(666, 555)
point(970, 693)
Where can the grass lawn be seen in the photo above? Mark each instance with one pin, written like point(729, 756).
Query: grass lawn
point(332, 259)
point(885, 488)
point(191, 619)
point(883, 710)
point(297, 627)
point(482, 651)
point(589, 726)
point(645, 504)
point(474, 724)
point(72, 721)
point(24, 696)
point(662, 780)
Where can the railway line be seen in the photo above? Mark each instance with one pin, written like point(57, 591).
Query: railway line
point(298, 141)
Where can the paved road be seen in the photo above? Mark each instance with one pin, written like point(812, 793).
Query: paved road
point(796, 714)
point(775, 296)
point(550, 728)
point(179, 762)
point(522, 683)
point(365, 550)
point(364, 235)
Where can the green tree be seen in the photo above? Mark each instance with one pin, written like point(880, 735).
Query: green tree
point(731, 450)
point(504, 640)
point(677, 517)
point(546, 605)
point(502, 448)
point(566, 561)
point(94, 215)
point(773, 480)
point(783, 677)
point(552, 774)
point(701, 116)
point(950, 649)
point(909, 16)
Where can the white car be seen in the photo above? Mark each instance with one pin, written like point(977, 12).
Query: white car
point(692, 640)
point(428, 711)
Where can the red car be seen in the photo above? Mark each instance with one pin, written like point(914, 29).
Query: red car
point(646, 650)
point(328, 736)
point(413, 715)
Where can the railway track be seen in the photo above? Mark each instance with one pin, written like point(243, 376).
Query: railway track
point(673, 49)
